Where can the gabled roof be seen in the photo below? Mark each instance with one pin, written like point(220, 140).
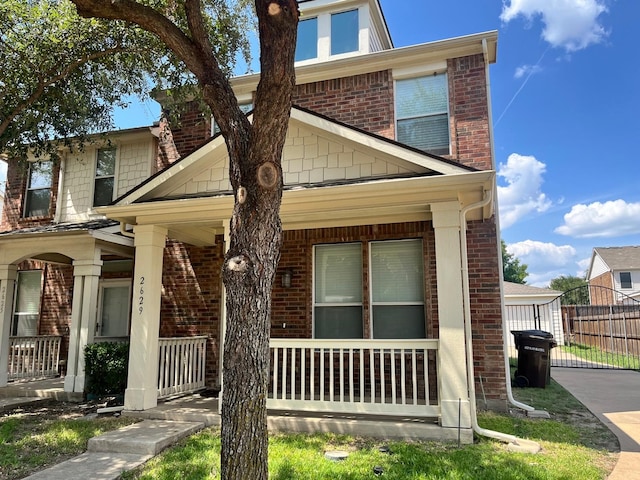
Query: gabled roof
point(213, 154)
point(620, 258)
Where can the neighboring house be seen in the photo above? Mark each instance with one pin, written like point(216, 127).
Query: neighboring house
point(390, 260)
point(532, 308)
point(617, 270)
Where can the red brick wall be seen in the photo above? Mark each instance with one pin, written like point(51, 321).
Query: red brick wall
point(192, 288)
point(363, 101)
point(17, 177)
point(193, 130)
point(486, 312)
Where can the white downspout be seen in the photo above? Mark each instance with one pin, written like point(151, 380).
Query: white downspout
point(505, 343)
point(513, 441)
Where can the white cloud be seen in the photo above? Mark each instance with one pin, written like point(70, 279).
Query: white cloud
point(609, 219)
point(545, 261)
point(522, 195)
point(526, 70)
point(570, 24)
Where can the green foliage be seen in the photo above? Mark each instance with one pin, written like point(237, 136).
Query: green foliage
point(512, 270)
point(576, 289)
point(61, 75)
point(106, 367)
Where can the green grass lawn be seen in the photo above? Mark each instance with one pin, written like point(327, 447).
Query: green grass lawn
point(595, 354)
point(572, 449)
point(33, 439)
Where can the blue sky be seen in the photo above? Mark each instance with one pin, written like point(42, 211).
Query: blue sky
point(566, 108)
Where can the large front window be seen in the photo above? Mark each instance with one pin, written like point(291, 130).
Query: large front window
point(39, 189)
point(422, 113)
point(396, 290)
point(338, 291)
point(105, 177)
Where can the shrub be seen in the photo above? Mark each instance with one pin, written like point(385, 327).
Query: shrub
point(106, 367)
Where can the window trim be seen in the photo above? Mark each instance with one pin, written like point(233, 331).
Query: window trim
point(435, 69)
point(115, 173)
point(28, 189)
point(624, 283)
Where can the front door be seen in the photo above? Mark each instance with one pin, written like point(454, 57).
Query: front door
point(115, 308)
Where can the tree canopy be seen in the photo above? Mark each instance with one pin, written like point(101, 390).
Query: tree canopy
point(62, 75)
point(512, 270)
point(575, 289)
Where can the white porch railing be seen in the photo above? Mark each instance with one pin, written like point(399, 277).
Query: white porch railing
point(34, 357)
point(181, 366)
point(390, 377)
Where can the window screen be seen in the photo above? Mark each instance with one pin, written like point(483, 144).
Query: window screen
point(397, 289)
point(39, 189)
point(625, 280)
point(105, 177)
point(338, 291)
point(422, 113)
point(307, 42)
point(344, 32)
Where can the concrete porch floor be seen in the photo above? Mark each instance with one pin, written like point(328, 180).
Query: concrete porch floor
point(200, 408)
point(197, 408)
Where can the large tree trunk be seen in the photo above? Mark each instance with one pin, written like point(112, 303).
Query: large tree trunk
point(254, 250)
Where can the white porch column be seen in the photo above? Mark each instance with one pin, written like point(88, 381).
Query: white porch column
point(223, 318)
point(452, 374)
point(8, 274)
point(142, 383)
point(86, 280)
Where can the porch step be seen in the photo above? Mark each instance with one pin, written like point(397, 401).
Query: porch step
point(148, 437)
point(48, 388)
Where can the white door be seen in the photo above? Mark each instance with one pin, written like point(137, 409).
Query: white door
point(115, 308)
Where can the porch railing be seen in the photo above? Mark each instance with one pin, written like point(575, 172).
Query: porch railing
point(34, 357)
point(390, 377)
point(181, 365)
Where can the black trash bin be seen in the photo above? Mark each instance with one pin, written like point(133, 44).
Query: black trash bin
point(534, 357)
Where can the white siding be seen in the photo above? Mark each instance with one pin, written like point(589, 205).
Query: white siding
point(598, 267)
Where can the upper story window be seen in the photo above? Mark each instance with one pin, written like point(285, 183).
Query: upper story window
point(344, 32)
point(245, 107)
point(105, 177)
point(328, 35)
point(38, 195)
point(422, 113)
point(307, 43)
point(625, 280)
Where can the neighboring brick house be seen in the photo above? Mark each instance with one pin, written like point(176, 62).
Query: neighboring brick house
point(390, 261)
point(617, 271)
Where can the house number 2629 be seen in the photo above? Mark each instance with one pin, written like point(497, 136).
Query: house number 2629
point(141, 296)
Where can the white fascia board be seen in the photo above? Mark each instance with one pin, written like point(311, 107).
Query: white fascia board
point(376, 144)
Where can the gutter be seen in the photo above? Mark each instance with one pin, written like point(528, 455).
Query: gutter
point(505, 344)
point(514, 443)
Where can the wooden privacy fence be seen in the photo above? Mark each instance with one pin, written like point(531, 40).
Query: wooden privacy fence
point(391, 377)
point(34, 357)
point(181, 366)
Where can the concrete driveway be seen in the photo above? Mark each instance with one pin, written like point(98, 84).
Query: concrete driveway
point(614, 397)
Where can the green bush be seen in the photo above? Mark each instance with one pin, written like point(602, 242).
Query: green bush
point(106, 367)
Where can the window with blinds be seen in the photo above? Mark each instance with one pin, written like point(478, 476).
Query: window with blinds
point(422, 113)
point(338, 291)
point(26, 312)
point(397, 289)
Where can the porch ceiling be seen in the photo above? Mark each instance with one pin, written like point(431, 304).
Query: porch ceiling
point(197, 220)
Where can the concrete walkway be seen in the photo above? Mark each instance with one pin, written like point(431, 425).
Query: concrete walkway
point(614, 397)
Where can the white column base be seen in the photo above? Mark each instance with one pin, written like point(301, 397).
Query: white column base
point(140, 398)
point(455, 413)
point(74, 383)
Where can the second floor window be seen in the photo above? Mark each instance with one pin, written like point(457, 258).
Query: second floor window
point(625, 280)
point(105, 177)
point(422, 113)
point(344, 32)
point(38, 195)
point(307, 43)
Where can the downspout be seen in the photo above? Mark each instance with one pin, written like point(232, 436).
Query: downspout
point(125, 232)
point(514, 442)
point(505, 344)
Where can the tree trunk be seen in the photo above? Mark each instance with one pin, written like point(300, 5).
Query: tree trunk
point(254, 250)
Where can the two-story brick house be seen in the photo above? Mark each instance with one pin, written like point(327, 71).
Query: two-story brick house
point(389, 275)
